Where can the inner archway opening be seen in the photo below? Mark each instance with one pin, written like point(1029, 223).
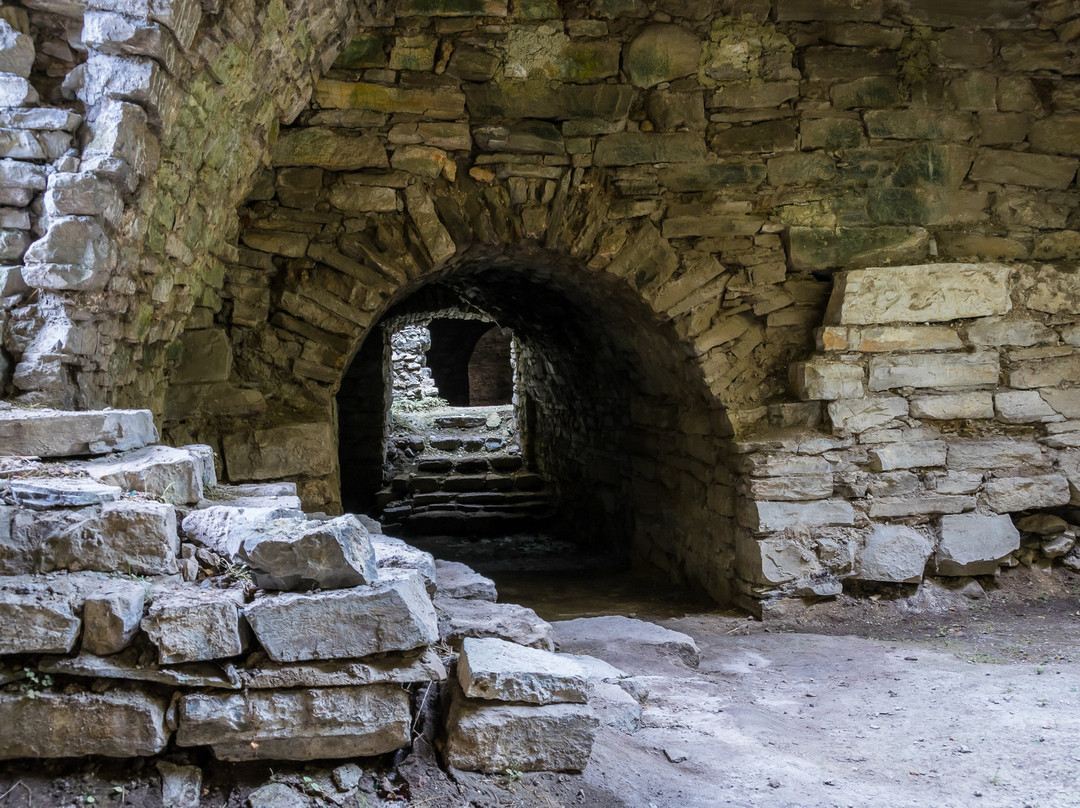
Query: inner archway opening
point(609, 449)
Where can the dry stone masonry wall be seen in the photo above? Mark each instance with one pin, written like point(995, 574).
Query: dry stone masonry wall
point(697, 178)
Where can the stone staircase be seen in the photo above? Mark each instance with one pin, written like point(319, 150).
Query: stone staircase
point(458, 471)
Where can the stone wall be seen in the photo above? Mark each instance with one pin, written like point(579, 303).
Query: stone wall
point(408, 363)
point(715, 163)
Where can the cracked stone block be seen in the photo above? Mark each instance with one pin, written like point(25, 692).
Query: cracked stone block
point(189, 623)
point(497, 670)
point(226, 528)
point(121, 722)
point(175, 475)
point(973, 544)
point(44, 493)
point(394, 554)
point(111, 616)
point(393, 614)
point(131, 536)
point(895, 553)
point(37, 617)
point(288, 554)
point(304, 724)
point(58, 433)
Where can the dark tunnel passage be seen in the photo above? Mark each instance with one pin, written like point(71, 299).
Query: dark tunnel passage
point(611, 421)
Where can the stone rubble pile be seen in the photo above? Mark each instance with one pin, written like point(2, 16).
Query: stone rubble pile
point(143, 605)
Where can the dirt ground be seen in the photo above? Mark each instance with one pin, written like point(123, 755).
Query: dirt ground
point(933, 700)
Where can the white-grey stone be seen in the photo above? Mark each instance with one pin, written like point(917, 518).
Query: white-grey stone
point(998, 331)
point(1065, 402)
point(953, 406)
point(894, 553)
point(770, 517)
point(1008, 494)
point(74, 255)
point(943, 371)
point(260, 673)
point(777, 559)
point(277, 795)
point(175, 475)
point(920, 294)
point(993, 454)
point(821, 380)
point(615, 638)
point(616, 708)
point(43, 493)
point(131, 665)
point(924, 505)
point(497, 670)
point(16, 51)
point(974, 544)
point(83, 194)
point(181, 786)
point(481, 736)
point(301, 724)
point(393, 614)
point(394, 554)
point(916, 454)
point(794, 488)
point(131, 536)
point(460, 618)
point(15, 91)
point(456, 580)
point(37, 616)
point(189, 623)
point(1024, 407)
point(111, 616)
point(59, 433)
point(120, 722)
point(1058, 546)
point(225, 529)
point(288, 554)
point(122, 146)
point(957, 482)
point(347, 777)
point(1069, 465)
point(861, 414)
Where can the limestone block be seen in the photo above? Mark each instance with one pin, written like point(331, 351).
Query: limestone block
point(907, 455)
point(175, 475)
point(497, 670)
point(441, 104)
point(111, 616)
point(83, 194)
point(998, 331)
point(780, 465)
point(131, 536)
point(1064, 402)
point(20, 144)
point(75, 254)
point(881, 339)
point(618, 637)
point(326, 148)
point(973, 544)
point(1008, 494)
point(861, 414)
point(459, 619)
point(767, 136)
point(773, 561)
point(457, 580)
point(952, 406)
point(958, 482)
point(755, 94)
point(17, 174)
point(182, 17)
point(108, 32)
point(712, 176)
point(226, 528)
point(1023, 168)
point(1054, 291)
point(354, 198)
point(304, 724)
point(821, 380)
point(922, 506)
point(828, 11)
point(122, 146)
point(255, 495)
point(262, 674)
point(894, 553)
point(181, 786)
point(424, 161)
point(993, 454)
point(437, 240)
point(122, 722)
point(16, 51)
point(130, 78)
point(491, 737)
point(635, 148)
point(945, 371)
point(206, 356)
point(1044, 372)
point(394, 554)
point(288, 554)
point(1024, 407)
point(921, 293)
point(793, 488)
point(393, 614)
point(770, 517)
point(283, 451)
point(189, 624)
point(661, 53)
point(15, 91)
point(37, 617)
point(42, 493)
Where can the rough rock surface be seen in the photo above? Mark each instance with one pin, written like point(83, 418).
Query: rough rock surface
point(894, 553)
point(972, 544)
point(459, 619)
point(498, 670)
point(225, 529)
point(189, 624)
point(175, 475)
point(614, 637)
point(60, 433)
point(457, 580)
point(293, 554)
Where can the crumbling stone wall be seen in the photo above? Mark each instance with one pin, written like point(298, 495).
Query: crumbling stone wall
point(719, 163)
point(408, 362)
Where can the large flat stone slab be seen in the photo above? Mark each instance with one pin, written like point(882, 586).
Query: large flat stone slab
point(304, 724)
point(497, 670)
point(973, 544)
point(460, 618)
point(393, 614)
point(190, 624)
point(617, 639)
point(487, 737)
point(922, 293)
point(300, 554)
point(60, 433)
point(121, 722)
point(225, 529)
point(175, 475)
point(42, 493)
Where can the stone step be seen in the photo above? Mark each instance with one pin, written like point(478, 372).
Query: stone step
point(455, 523)
point(461, 422)
point(62, 433)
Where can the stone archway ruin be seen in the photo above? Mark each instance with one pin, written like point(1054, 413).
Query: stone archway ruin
point(917, 164)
